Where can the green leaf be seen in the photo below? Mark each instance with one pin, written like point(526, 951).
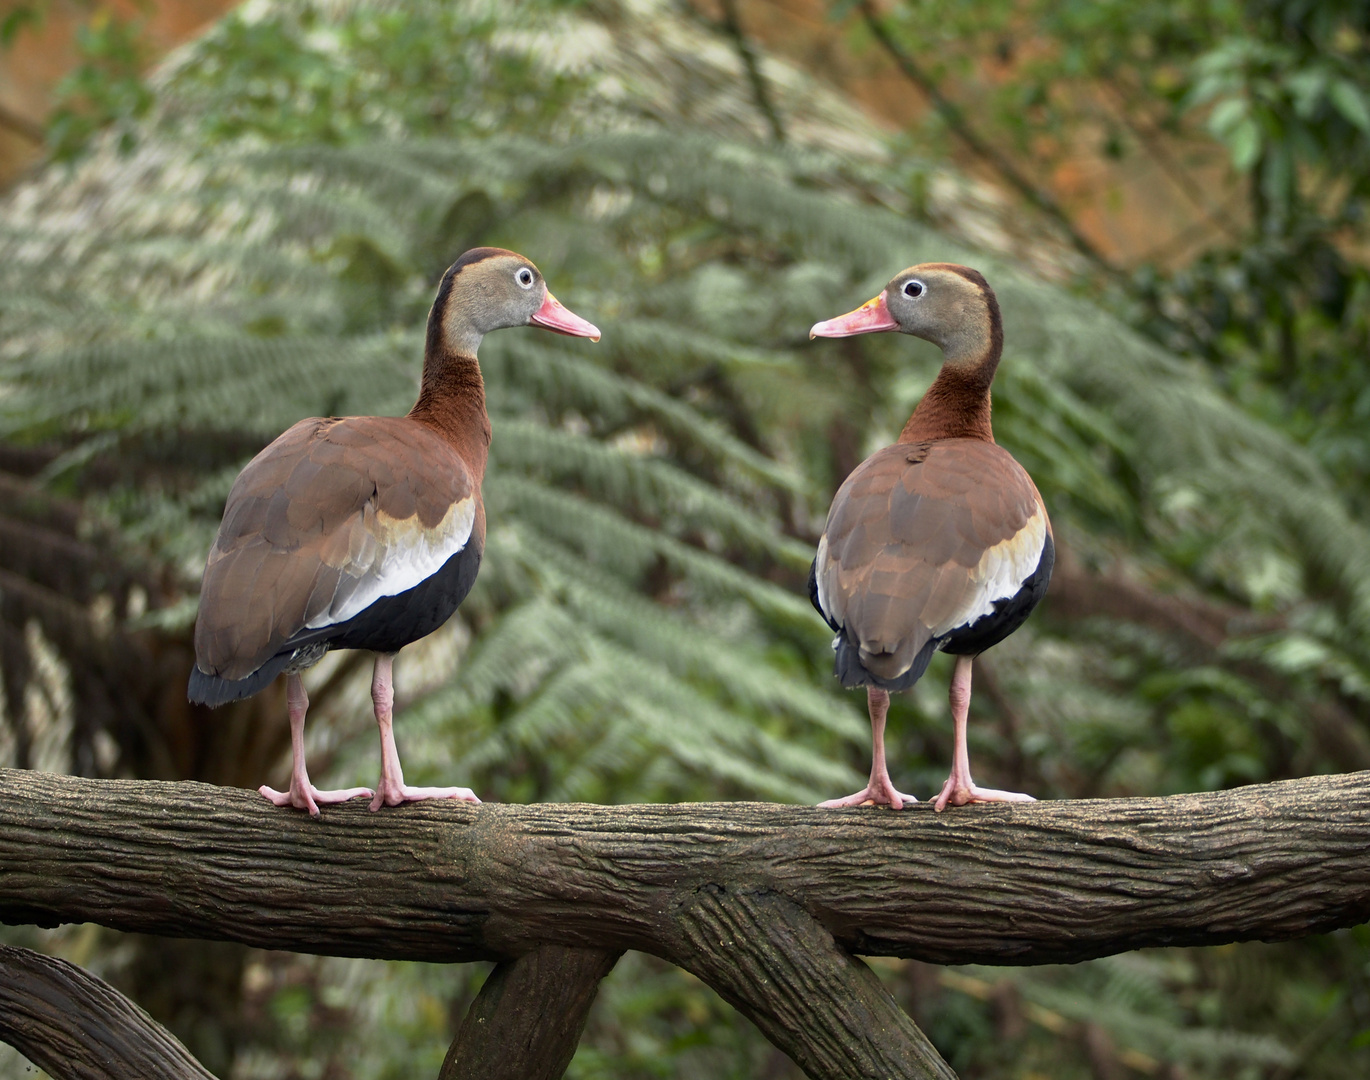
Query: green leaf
point(1351, 103)
point(1244, 142)
point(1226, 115)
point(21, 15)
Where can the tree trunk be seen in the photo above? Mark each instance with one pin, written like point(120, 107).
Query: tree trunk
point(527, 1019)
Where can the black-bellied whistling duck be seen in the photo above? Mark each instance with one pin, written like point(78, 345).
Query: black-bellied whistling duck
point(365, 532)
point(940, 541)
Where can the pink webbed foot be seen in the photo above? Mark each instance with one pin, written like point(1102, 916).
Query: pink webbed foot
point(964, 792)
point(302, 794)
point(960, 789)
point(308, 797)
point(392, 790)
point(390, 793)
point(879, 792)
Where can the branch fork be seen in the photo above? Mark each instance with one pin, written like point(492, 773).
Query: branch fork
point(768, 904)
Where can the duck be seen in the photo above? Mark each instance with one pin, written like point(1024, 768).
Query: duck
point(365, 532)
point(938, 542)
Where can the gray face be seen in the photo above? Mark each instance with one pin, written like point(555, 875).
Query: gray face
point(498, 292)
point(942, 307)
point(489, 289)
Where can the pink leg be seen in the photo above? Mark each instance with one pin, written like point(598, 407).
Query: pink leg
point(880, 790)
point(960, 789)
point(392, 790)
point(302, 794)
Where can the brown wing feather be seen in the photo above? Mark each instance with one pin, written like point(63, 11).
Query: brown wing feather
point(305, 523)
point(906, 543)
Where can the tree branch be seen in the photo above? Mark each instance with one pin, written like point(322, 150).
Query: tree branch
point(732, 26)
point(961, 127)
point(527, 1019)
point(22, 126)
point(1055, 882)
point(1153, 139)
point(774, 963)
point(76, 1027)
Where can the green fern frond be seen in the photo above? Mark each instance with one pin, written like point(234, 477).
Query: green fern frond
point(604, 537)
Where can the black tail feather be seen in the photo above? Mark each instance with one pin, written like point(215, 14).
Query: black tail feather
point(851, 672)
point(213, 691)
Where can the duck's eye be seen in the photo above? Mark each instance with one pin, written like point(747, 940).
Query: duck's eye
point(525, 278)
point(913, 288)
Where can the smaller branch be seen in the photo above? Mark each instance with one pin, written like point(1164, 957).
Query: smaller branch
point(1174, 246)
point(732, 26)
point(961, 127)
point(1206, 627)
point(77, 1027)
point(1154, 142)
point(776, 964)
point(528, 1017)
point(22, 126)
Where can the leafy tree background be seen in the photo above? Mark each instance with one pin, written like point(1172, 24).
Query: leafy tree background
point(252, 233)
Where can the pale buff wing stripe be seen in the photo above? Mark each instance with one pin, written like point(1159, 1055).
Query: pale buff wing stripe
point(1001, 572)
point(387, 556)
point(821, 575)
point(953, 596)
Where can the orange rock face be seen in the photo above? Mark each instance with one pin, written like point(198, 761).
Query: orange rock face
point(42, 54)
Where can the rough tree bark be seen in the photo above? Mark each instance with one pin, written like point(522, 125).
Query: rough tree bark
point(527, 1019)
point(771, 960)
point(76, 1027)
point(1049, 882)
point(766, 903)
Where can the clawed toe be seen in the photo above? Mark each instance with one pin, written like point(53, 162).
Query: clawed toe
point(862, 796)
point(395, 794)
point(964, 794)
point(869, 796)
point(309, 797)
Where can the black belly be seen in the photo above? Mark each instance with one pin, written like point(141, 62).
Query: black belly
point(986, 632)
point(1007, 615)
point(387, 626)
point(392, 622)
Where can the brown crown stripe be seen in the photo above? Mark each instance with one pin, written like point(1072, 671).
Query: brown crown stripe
point(433, 342)
point(970, 274)
point(996, 321)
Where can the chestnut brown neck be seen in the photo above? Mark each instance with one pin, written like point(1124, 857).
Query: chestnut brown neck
point(957, 404)
point(452, 403)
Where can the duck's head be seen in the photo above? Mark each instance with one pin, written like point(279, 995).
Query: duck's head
point(490, 289)
point(952, 306)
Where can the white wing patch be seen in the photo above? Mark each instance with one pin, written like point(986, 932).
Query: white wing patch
point(387, 556)
point(1000, 573)
point(821, 572)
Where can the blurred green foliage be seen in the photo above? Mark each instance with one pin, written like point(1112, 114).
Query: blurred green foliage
point(1259, 112)
point(106, 90)
point(260, 240)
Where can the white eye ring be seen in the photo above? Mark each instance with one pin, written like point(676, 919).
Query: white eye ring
point(525, 278)
point(914, 289)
